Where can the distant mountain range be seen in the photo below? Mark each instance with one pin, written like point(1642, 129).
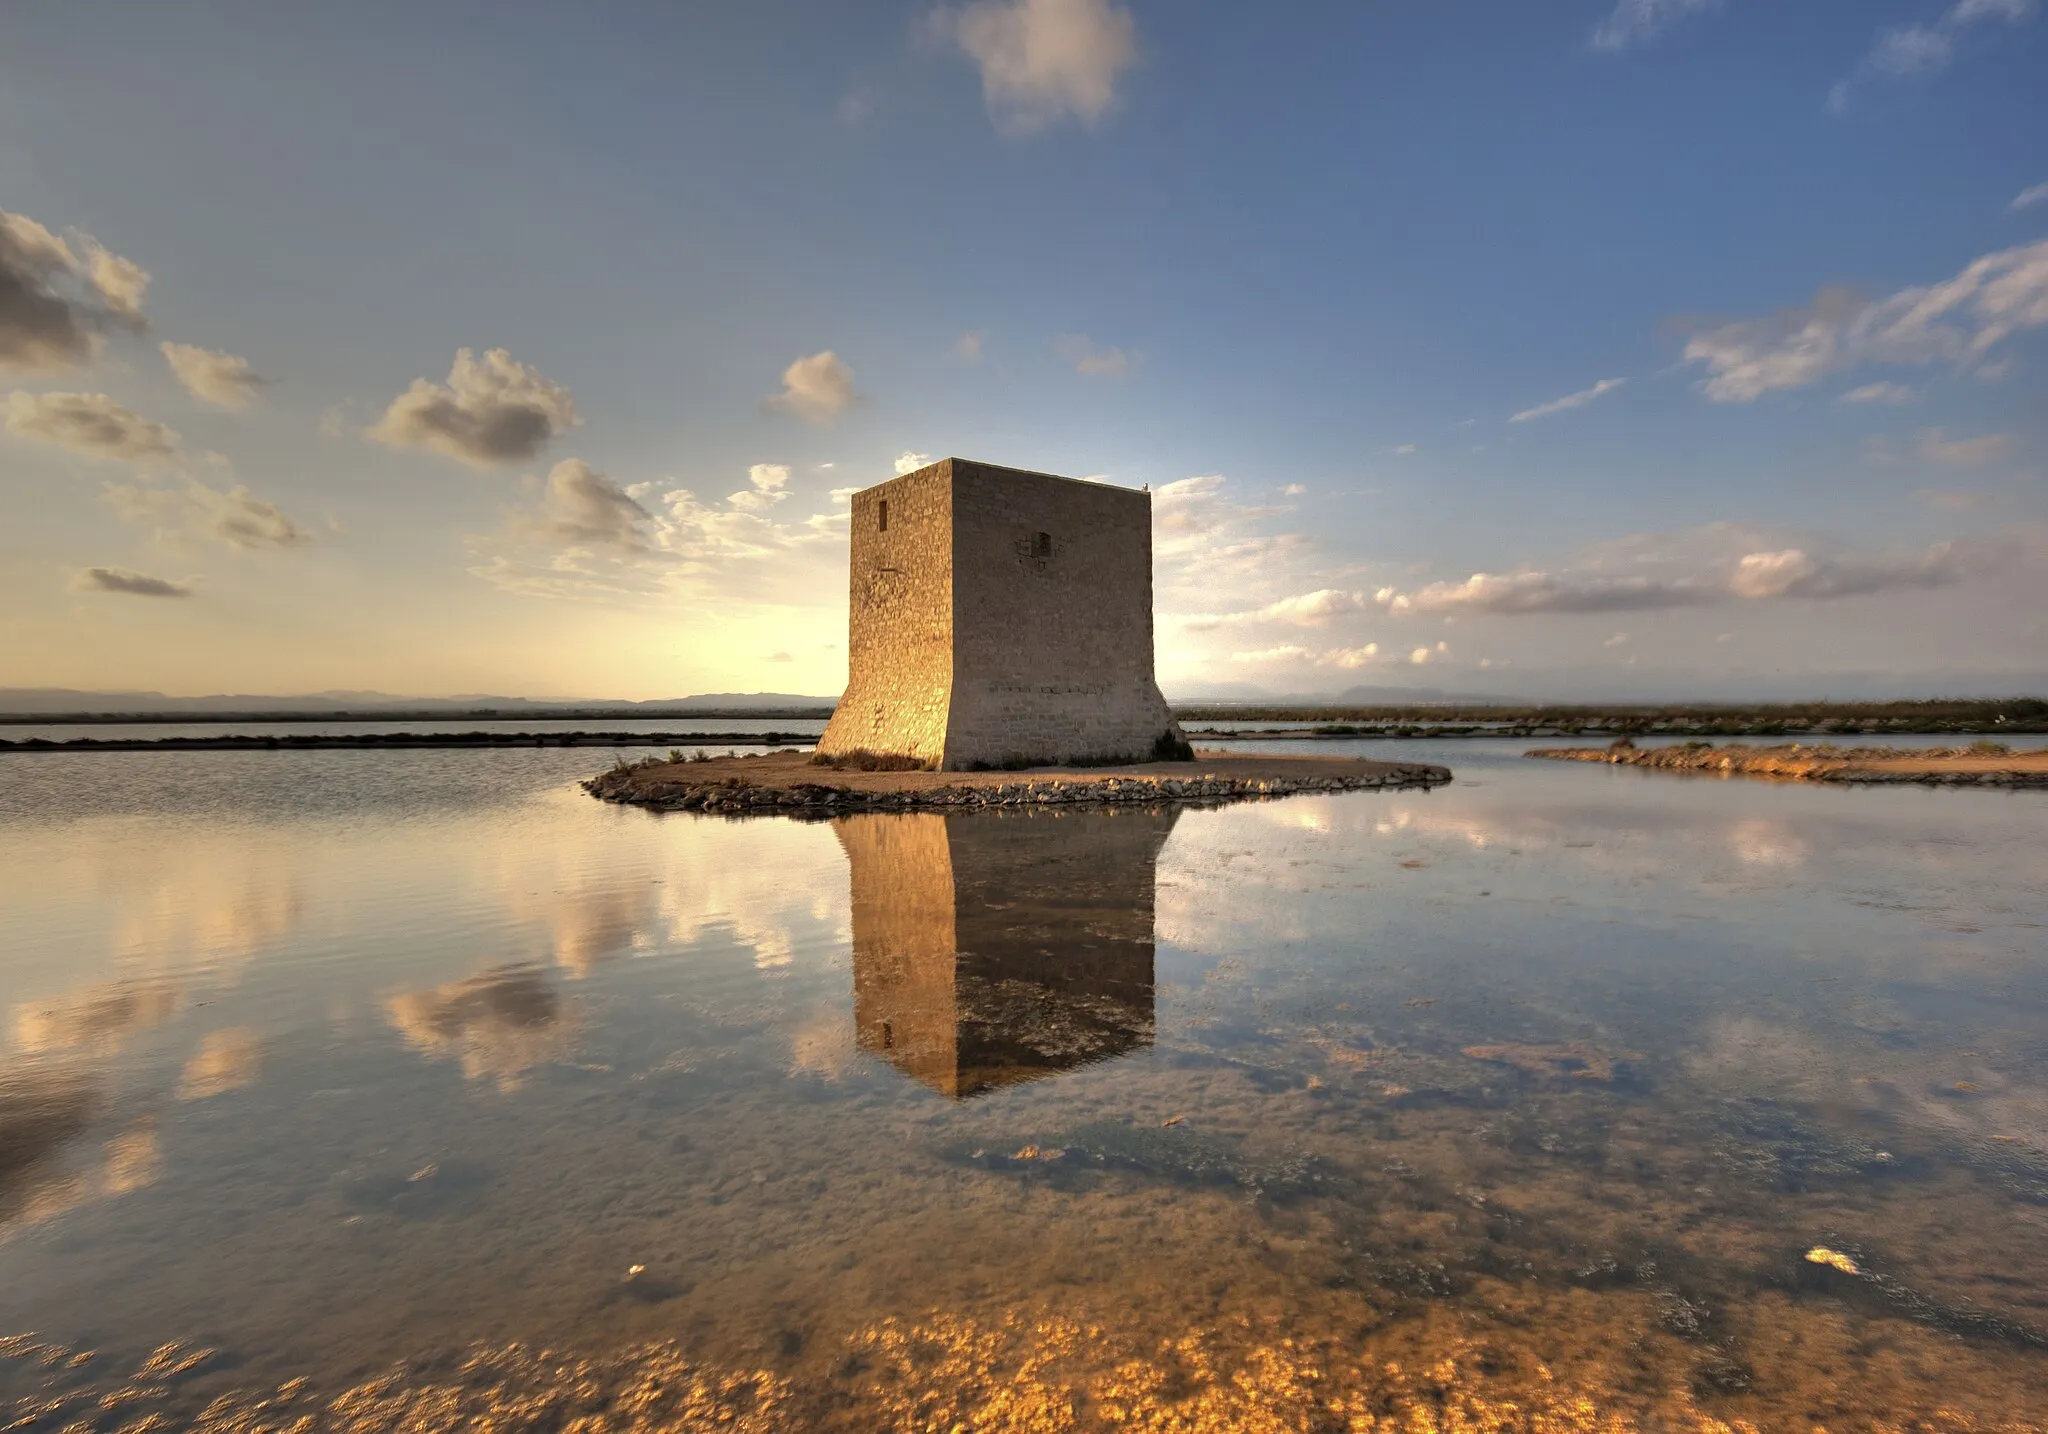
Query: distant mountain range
point(55, 701)
point(1221, 694)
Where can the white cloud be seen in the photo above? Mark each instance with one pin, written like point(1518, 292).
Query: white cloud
point(842, 495)
point(967, 348)
point(769, 486)
point(1878, 393)
point(2027, 198)
point(1713, 565)
point(816, 388)
point(1620, 639)
point(1532, 590)
point(908, 462)
point(1635, 21)
point(1080, 351)
point(1043, 60)
point(121, 580)
point(1570, 401)
point(1957, 320)
point(56, 300)
point(1912, 51)
point(1794, 573)
point(234, 517)
point(490, 412)
point(89, 423)
point(1936, 447)
point(591, 537)
point(2011, 10)
point(1315, 609)
point(221, 379)
point(1294, 490)
point(1404, 450)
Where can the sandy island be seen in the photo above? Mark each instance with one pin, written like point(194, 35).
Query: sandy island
point(1932, 766)
point(789, 783)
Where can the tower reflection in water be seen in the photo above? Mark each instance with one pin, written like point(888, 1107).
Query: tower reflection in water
point(996, 948)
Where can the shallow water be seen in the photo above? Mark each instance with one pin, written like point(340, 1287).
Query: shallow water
point(1524, 1098)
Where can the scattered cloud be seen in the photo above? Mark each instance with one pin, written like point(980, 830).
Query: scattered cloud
point(1790, 572)
point(780, 657)
point(221, 379)
point(768, 485)
point(1909, 52)
point(908, 462)
point(1936, 447)
point(1404, 450)
point(121, 580)
point(1795, 573)
point(1206, 551)
point(1620, 639)
point(233, 517)
point(967, 348)
point(89, 423)
point(490, 412)
point(1533, 590)
point(584, 509)
point(2027, 198)
point(842, 495)
point(1314, 609)
point(1878, 393)
point(1080, 351)
point(1958, 320)
point(590, 537)
point(56, 300)
point(1043, 60)
point(1636, 21)
point(1294, 490)
point(1570, 401)
point(817, 388)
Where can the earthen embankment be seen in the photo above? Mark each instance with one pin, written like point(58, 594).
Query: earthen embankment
point(1982, 766)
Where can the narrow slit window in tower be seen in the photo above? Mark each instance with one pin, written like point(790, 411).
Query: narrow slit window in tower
point(883, 526)
point(1045, 545)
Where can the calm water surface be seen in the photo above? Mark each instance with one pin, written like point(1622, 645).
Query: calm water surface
point(1523, 1100)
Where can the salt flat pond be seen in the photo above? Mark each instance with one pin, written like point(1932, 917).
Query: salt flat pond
point(1527, 1096)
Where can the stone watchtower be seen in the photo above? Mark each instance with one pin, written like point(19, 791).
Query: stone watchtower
point(1001, 617)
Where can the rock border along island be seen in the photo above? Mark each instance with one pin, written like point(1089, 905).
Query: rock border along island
point(1000, 618)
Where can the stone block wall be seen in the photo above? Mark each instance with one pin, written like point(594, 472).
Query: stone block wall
point(1052, 620)
point(1000, 616)
point(900, 623)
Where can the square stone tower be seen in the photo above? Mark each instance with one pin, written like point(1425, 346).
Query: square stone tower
point(999, 618)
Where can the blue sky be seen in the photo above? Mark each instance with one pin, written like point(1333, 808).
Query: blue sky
point(1297, 268)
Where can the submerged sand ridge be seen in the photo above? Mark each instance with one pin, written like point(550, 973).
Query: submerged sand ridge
point(1941, 766)
point(790, 783)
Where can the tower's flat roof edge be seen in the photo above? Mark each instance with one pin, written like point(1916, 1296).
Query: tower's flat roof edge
point(1007, 468)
